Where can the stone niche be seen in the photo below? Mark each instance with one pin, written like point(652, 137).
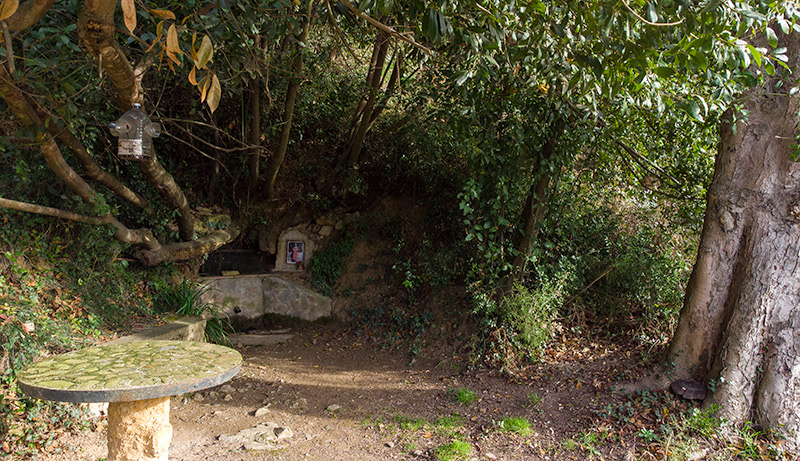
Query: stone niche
point(295, 250)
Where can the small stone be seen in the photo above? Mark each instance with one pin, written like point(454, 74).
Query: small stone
point(417, 452)
point(226, 388)
point(228, 397)
point(212, 395)
point(258, 446)
point(334, 407)
point(300, 403)
point(689, 389)
point(491, 456)
point(198, 397)
point(282, 433)
point(262, 411)
point(390, 444)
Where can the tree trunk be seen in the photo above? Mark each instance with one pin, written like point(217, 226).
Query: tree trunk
point(533, 211)
point(172, 192)
point(738, 330)
point(96, 30)
point(255, 133)
point(362, 117)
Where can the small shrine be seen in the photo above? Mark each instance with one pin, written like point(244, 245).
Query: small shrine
point(295, 248)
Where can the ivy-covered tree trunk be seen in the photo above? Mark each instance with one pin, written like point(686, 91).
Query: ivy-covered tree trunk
point(739, 330)
point(535, 205)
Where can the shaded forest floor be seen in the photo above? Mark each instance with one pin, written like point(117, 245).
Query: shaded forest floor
point(344, 397)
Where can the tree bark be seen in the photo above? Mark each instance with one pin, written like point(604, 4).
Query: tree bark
point(362, 117)
point(28, 13)
point(187, 250)
point(533, 211)
point(165, 183)
point(738, 330)
point(96, 30)
point(255, 134)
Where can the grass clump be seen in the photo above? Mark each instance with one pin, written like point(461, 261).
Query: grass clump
point(519, 426)
point(534, 400)
point(410, 424)
point(449, 425)
point(463, 395)
point(184, 299)
point(453, 451)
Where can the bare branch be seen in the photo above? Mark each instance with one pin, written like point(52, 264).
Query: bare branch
point(9, 47)
point(339, 34)
point(650, 23)
point(381, 26)
point(54, 212)
point(188, 250)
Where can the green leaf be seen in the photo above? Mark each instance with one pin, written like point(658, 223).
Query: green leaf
point(755, 53)
point(652, 15)
point(694, 111)
point(771, 37)
point(664, 72)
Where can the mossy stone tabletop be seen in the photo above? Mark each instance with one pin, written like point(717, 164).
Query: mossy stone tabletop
point(131, 371)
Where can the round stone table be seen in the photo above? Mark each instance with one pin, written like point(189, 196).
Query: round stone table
point(137, 379)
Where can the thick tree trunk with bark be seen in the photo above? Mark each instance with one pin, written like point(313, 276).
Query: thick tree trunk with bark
point(739, 329)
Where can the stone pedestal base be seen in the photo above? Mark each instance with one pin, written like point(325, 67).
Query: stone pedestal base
point(139, 430)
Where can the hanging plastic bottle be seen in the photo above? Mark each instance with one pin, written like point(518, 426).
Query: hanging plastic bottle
point(136, 133)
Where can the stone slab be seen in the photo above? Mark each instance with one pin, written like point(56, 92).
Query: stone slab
point(130, 371)
point(183, 329)
point(250, 297)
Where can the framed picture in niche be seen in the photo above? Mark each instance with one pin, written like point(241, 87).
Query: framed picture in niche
point(294, 251)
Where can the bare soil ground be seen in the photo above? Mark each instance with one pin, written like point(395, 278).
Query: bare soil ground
point(345, 397)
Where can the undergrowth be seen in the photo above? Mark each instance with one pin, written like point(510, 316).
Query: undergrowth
point(327, 265)
point(393, 325)
point(185, 298)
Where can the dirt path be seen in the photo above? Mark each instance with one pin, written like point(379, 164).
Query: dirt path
point(342, 399)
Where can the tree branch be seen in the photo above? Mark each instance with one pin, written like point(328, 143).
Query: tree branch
point(649, 23)
point(9, 48)
point(381, 26)
point(28, 14)
point(96, 30)
point(188, 250)
point(54, 212)
point(33, 114)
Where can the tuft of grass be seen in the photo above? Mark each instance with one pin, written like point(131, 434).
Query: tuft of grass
point(409, 424)
point(448, 425)
point(463, 395)
point(534, 400)
point(453, 451)
point(519, 426)
point(184, 299)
